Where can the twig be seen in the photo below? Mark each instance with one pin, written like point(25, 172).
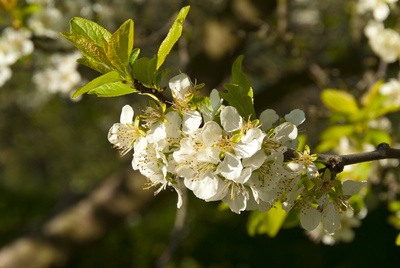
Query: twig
point(336, 163)
point(176, 232)
point(153, 91)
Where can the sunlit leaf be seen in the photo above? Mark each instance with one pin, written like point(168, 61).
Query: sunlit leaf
point(268, 223)
point(90, 30)
point(398, 240)
point(172, 36)
point(98, 82)
point(89, 49)
point(376, 137)
point(94, 65)
point(112, 89)
point(339, 101)
point(120, 46)
point(134, 56)
point(331, 136)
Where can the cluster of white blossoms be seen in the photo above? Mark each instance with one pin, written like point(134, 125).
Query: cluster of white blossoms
point(219, 155)
point(380, 8)
point(59, 73)
point(14, 45)
point(384, 42)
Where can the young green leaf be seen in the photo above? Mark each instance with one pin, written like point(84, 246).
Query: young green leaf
point(269, 222)
point(120, 46)
point(97, 83)
point(90, 30)
point(240, 93)
point(134, 56)
point(112, 89)
point(94, 65)
point(240, 78)
point(89, 49)
point(172, 36)
point(144, 70)
point(339, 101)
point(160, 76)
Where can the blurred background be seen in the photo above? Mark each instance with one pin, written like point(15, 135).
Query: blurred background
point(67, 193)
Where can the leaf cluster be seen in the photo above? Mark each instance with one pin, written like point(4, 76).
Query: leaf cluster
point(114, 56)
point(352, 118)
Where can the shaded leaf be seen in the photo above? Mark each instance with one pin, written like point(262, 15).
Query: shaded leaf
point(240, 93)
point(144, 70)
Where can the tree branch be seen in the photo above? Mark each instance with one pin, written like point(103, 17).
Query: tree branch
point(52, 243)
point(336, 163)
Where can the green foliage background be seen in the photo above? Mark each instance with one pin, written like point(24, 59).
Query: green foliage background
point(53, 155)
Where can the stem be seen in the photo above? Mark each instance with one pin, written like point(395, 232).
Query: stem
point(152, 91)
point(176, 232)
point(336, 163)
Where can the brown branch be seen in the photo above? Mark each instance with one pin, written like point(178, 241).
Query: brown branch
point(176, 232)
point(336, 163)
point(52, 243)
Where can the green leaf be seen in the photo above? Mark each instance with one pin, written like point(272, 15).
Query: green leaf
point(160, 76)
point(398, 240)
point(394, 206)
point(336, 132)
point(98, 82)
point(89, 49)
point(112, 89)
point(240, 78)
point(339, 101)
point(144, 70)
point(370, 96)
point(134, 56)
point(376, 137)
point(240, 93)
point(120, 46)
point(292, 219)
point(90, 30)
point(268, 223)
point(94, 65)
point(172, 36)
point(331, 136)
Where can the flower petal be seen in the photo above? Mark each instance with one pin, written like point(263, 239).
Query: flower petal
point(179, 85)
point(191, 121)
point(127, 115)
point(352, 187)
point(205, 186)
point(230, 167)
point(310, 218)
point(267, 118)
point(230, 119)
point(296, 117)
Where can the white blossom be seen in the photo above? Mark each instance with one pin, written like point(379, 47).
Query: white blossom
point(380, 8)
point(384, 42)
